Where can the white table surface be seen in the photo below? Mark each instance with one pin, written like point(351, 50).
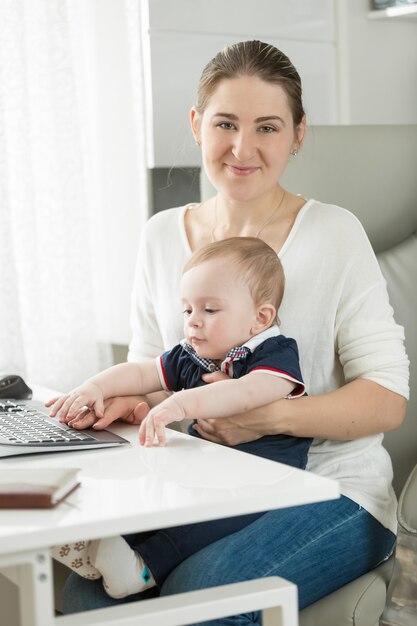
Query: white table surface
point(133, 488)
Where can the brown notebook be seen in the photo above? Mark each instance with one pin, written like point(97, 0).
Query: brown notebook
point(36, 488)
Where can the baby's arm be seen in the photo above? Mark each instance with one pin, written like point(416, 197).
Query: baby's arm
point(220, 399)
point(126, 379)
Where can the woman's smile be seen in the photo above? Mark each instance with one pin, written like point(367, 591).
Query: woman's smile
point(238, 170)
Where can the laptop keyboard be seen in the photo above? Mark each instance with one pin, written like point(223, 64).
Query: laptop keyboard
point(21, 425)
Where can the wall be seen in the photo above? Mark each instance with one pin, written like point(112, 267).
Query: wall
point(377, 62)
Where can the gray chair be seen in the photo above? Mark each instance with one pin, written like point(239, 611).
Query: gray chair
point(372, 171)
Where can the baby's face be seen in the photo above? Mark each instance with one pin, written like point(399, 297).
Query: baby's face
point(219, 312)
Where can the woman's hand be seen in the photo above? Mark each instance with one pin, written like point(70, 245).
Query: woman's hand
point(129, 409)
point(229, 431)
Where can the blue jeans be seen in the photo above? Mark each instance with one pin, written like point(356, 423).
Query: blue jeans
point(320, 547)
point(163, 550)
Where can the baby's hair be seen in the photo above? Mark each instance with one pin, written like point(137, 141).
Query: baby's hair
point(257, 263)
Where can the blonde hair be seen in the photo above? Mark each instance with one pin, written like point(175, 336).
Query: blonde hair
point(252, 58)
point(257, 264)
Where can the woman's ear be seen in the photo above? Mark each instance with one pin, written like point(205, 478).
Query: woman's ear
point(265, 317)
point(195, 120)
point(300, 133)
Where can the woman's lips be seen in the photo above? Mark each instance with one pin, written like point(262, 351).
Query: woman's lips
point(242, 171)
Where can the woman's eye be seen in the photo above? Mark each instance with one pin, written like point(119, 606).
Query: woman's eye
point(267, 129)
point(211, 311)
point(227, 125)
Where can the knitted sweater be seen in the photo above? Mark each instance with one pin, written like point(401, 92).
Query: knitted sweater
point(336, 307)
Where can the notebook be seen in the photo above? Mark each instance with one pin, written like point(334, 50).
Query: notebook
point(36, 487)
point(26, 428)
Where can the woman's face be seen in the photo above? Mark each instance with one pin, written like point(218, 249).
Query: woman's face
point(247, 134)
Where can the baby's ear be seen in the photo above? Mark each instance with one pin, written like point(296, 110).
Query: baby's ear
point(265, 317)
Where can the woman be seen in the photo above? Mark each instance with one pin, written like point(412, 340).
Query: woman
point(249, 120)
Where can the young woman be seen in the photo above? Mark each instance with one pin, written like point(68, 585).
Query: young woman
point(249, 120)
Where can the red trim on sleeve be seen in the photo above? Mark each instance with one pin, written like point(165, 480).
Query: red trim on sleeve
point(164, 374)
point(299, 389)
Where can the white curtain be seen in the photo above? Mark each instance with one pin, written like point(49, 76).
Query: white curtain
point(49, 209)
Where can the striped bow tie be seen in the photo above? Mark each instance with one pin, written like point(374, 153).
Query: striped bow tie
point(235, 354)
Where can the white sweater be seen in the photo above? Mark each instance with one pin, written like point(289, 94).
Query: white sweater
point(335, 306)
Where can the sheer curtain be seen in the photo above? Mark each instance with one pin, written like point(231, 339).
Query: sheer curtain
point(51, 226)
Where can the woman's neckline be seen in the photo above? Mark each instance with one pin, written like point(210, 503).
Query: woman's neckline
point(284, 246)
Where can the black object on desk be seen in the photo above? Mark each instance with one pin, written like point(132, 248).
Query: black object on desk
point(13, 386)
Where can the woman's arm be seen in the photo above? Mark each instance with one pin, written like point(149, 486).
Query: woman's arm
point(358, 409)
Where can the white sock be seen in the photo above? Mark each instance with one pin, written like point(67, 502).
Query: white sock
point(76, 557)
point(124, 571)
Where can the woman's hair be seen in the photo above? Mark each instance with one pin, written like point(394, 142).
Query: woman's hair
point(256, 262)
point(252, 58)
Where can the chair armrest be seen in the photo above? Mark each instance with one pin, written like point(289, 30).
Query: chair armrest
point(400, 608)
point(407, 505)
point(361, 602)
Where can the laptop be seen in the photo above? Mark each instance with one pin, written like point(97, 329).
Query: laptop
point(27, 428)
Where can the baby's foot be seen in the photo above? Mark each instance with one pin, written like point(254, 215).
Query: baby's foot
point(76, 557)
point(124, 571)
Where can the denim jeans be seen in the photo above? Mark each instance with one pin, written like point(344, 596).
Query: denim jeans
point(320, 547)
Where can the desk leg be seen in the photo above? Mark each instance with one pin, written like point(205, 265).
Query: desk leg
point(33, 575)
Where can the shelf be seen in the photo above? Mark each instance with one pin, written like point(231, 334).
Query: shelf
point(404, 12)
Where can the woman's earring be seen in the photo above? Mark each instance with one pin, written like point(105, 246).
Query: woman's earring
point(294, 152)
point(197, 143)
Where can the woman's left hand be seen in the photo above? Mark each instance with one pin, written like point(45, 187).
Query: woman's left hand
point(226, 430)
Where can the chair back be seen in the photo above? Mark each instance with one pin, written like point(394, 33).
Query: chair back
point(372, 172)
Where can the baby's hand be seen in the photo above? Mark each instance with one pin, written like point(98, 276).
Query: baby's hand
point(69, 405)
point(156, 420)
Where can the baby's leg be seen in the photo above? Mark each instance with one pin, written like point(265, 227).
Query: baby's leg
point(76, 556)
point(124, 571)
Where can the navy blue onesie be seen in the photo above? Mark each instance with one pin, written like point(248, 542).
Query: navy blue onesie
point(181, 368)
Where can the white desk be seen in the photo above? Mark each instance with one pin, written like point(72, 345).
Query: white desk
point(133, 489)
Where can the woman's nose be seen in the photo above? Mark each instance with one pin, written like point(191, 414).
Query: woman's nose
point(244, 147)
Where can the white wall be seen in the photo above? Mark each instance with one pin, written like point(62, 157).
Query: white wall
point(377, 66)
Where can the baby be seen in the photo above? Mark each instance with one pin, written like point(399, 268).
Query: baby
point(231, 291)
